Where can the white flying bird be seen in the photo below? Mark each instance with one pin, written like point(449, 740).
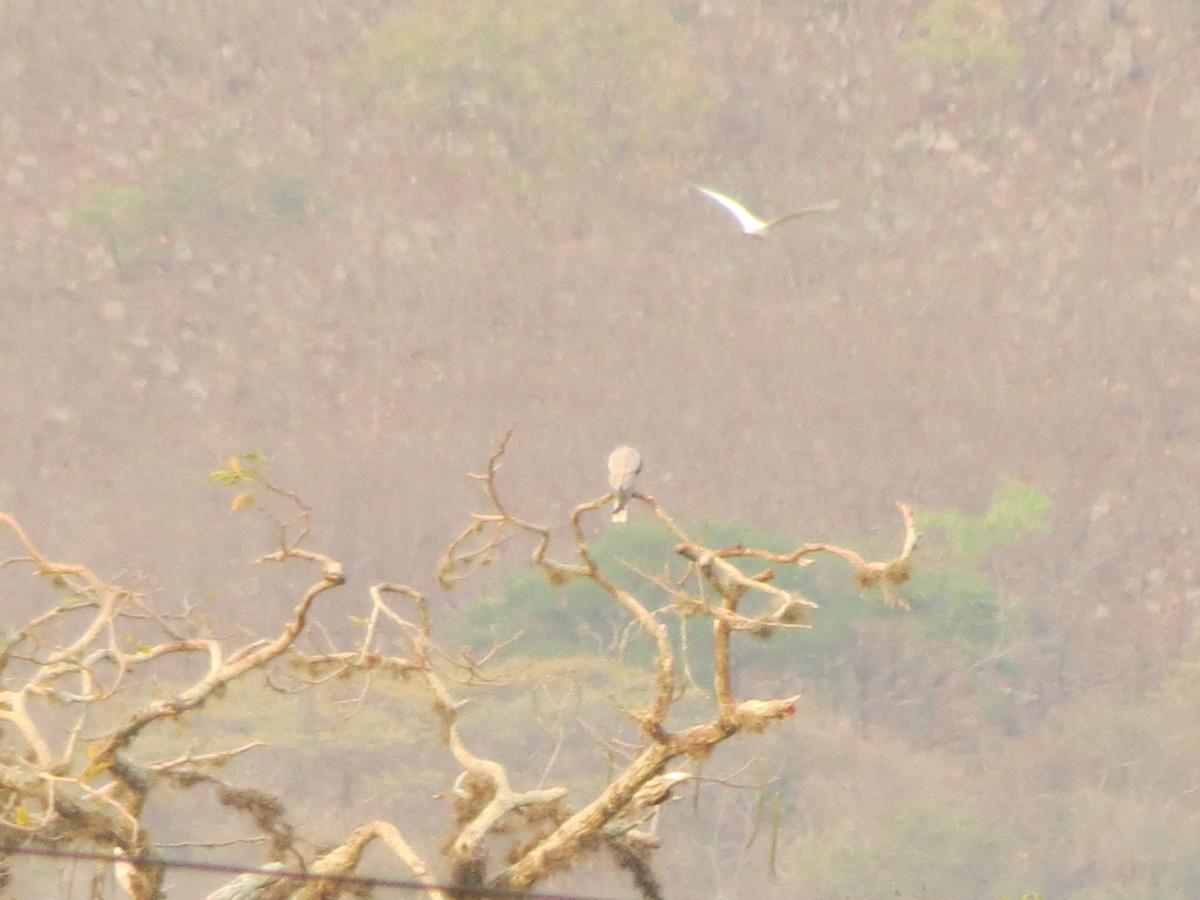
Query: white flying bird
point(752, 224)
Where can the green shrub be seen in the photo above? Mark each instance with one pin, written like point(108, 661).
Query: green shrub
point(205, 186)
point(957, 601)
point(579, 619)
point(544, 92)
point(913, 851)
point(218, 183)
point(970, 35)
point(123, 216)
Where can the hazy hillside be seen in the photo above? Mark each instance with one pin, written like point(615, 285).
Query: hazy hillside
point(365, 237)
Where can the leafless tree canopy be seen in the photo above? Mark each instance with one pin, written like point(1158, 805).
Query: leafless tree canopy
point(76, 703)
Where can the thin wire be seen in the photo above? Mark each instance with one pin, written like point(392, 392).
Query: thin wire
point(221, 868)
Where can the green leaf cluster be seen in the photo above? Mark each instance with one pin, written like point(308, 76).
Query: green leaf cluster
point(215, 184)
point(915, 851)
point(577, 617)
point(123, 215)
point(972, 35)
point(546, 90)
point(219, 182)
point(958, 601)
point(1017, 509)
point(580, 619)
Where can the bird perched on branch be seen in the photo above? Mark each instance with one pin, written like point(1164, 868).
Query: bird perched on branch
point(752, 224)
point(624, 464)
point(645, 802)
point(251, 885)
point(657, 790)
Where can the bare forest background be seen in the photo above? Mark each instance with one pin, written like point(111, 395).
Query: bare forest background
point(365, 237)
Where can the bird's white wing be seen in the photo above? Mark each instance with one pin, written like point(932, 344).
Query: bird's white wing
point(746, 219)
point(807, 211)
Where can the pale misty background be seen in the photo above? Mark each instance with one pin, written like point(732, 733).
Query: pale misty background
point(366, 237)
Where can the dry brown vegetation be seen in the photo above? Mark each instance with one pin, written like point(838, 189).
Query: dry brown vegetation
point(231, 226)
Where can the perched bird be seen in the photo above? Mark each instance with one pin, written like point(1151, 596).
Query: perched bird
point(657, 790)
point(250, 885)
point(752, 224)
point(624, 464)
point(645, 803)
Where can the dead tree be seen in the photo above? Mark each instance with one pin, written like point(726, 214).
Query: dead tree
point(57, 791)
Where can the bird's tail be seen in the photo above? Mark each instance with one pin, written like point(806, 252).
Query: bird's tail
point(620, 513)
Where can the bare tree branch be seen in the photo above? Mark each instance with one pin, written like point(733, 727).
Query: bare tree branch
point(64, 789)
